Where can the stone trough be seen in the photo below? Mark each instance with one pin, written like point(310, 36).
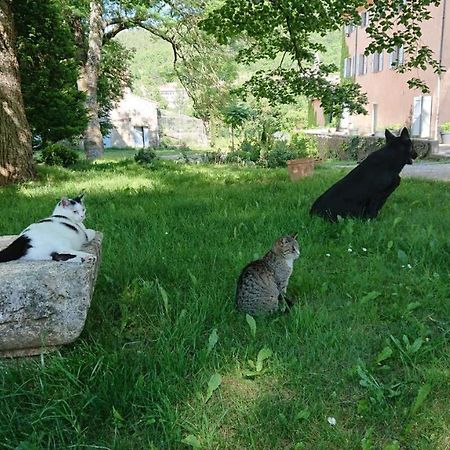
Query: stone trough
point(44, 304)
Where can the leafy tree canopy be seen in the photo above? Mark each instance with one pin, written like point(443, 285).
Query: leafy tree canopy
point(287, 27)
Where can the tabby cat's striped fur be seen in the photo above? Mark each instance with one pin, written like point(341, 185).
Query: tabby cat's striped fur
point(262, 285)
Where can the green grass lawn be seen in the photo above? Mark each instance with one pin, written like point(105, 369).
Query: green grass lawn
point(367, 343)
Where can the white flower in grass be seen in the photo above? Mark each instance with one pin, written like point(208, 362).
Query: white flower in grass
point(403, 266)
point(331, 421)
point(409, 266)
point(349, 249)
point(166, 232)
point(327, 254)
point(364, 249)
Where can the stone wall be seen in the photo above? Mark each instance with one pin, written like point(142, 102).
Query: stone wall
point(345, 147)
point(181, 129)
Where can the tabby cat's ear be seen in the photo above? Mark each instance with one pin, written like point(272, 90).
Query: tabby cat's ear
point(64, 202)
point(294, 235)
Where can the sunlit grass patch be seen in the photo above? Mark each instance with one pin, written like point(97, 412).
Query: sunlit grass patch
point(366, 344)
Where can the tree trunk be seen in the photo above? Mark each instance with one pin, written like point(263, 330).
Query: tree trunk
point(93, 140)
point(16, 155)
point(232, 138)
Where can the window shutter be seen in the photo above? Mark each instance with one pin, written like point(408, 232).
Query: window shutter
point(391, 59)
point(401, 55)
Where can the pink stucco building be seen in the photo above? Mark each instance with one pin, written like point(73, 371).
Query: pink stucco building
point(391, 102)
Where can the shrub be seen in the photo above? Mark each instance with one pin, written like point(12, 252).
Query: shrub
point(145, 156)
point(279, 154)
point(218, 157)
point(445, 127)
point(305, 146)
point(251, 151)
point(300, 146)
point(59, 155)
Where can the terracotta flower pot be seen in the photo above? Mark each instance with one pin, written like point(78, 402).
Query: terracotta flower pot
point(298, 168)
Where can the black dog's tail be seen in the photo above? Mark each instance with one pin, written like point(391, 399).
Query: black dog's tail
point(16, 249)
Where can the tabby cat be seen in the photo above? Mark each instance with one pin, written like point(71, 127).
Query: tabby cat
point(262, 285)
point(59, 237)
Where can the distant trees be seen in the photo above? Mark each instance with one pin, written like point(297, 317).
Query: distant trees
point(49, 66)
point(56, 64)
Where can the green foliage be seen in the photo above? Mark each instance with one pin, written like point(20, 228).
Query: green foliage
point(114, 78)
point(281, 152)
point(249, 151)
point(145, 156)
point(344, 52)
point(59, 155)
point(49, 70)
point(388, 15)
point(206, 69)
point(288, 27)
point(274, 155)
point(151, 65)
point(236, 115)
point(445, 127)
point(305, 145)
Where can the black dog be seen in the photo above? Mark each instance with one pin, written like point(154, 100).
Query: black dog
point(363, 192)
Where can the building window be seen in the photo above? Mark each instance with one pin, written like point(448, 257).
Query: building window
point(397, 57)
point(377, 62)
point(364, 19)
point(347, 67)
point(353, 71)
point(362, 64)
point(348, 29)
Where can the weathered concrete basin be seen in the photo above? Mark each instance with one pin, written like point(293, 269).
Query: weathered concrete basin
point(44, 304)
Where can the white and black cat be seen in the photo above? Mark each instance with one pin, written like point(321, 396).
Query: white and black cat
point(59, 237)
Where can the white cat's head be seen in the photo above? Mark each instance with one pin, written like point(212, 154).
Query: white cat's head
point(72, 208)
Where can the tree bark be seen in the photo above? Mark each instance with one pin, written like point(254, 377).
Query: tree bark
point(16, 155)
point(93, 140)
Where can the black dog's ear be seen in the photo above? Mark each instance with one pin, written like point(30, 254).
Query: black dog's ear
point(404, 134)
point(389, 136)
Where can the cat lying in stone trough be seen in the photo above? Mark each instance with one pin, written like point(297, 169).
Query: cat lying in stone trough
point(363, 192)
point(59, 237)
